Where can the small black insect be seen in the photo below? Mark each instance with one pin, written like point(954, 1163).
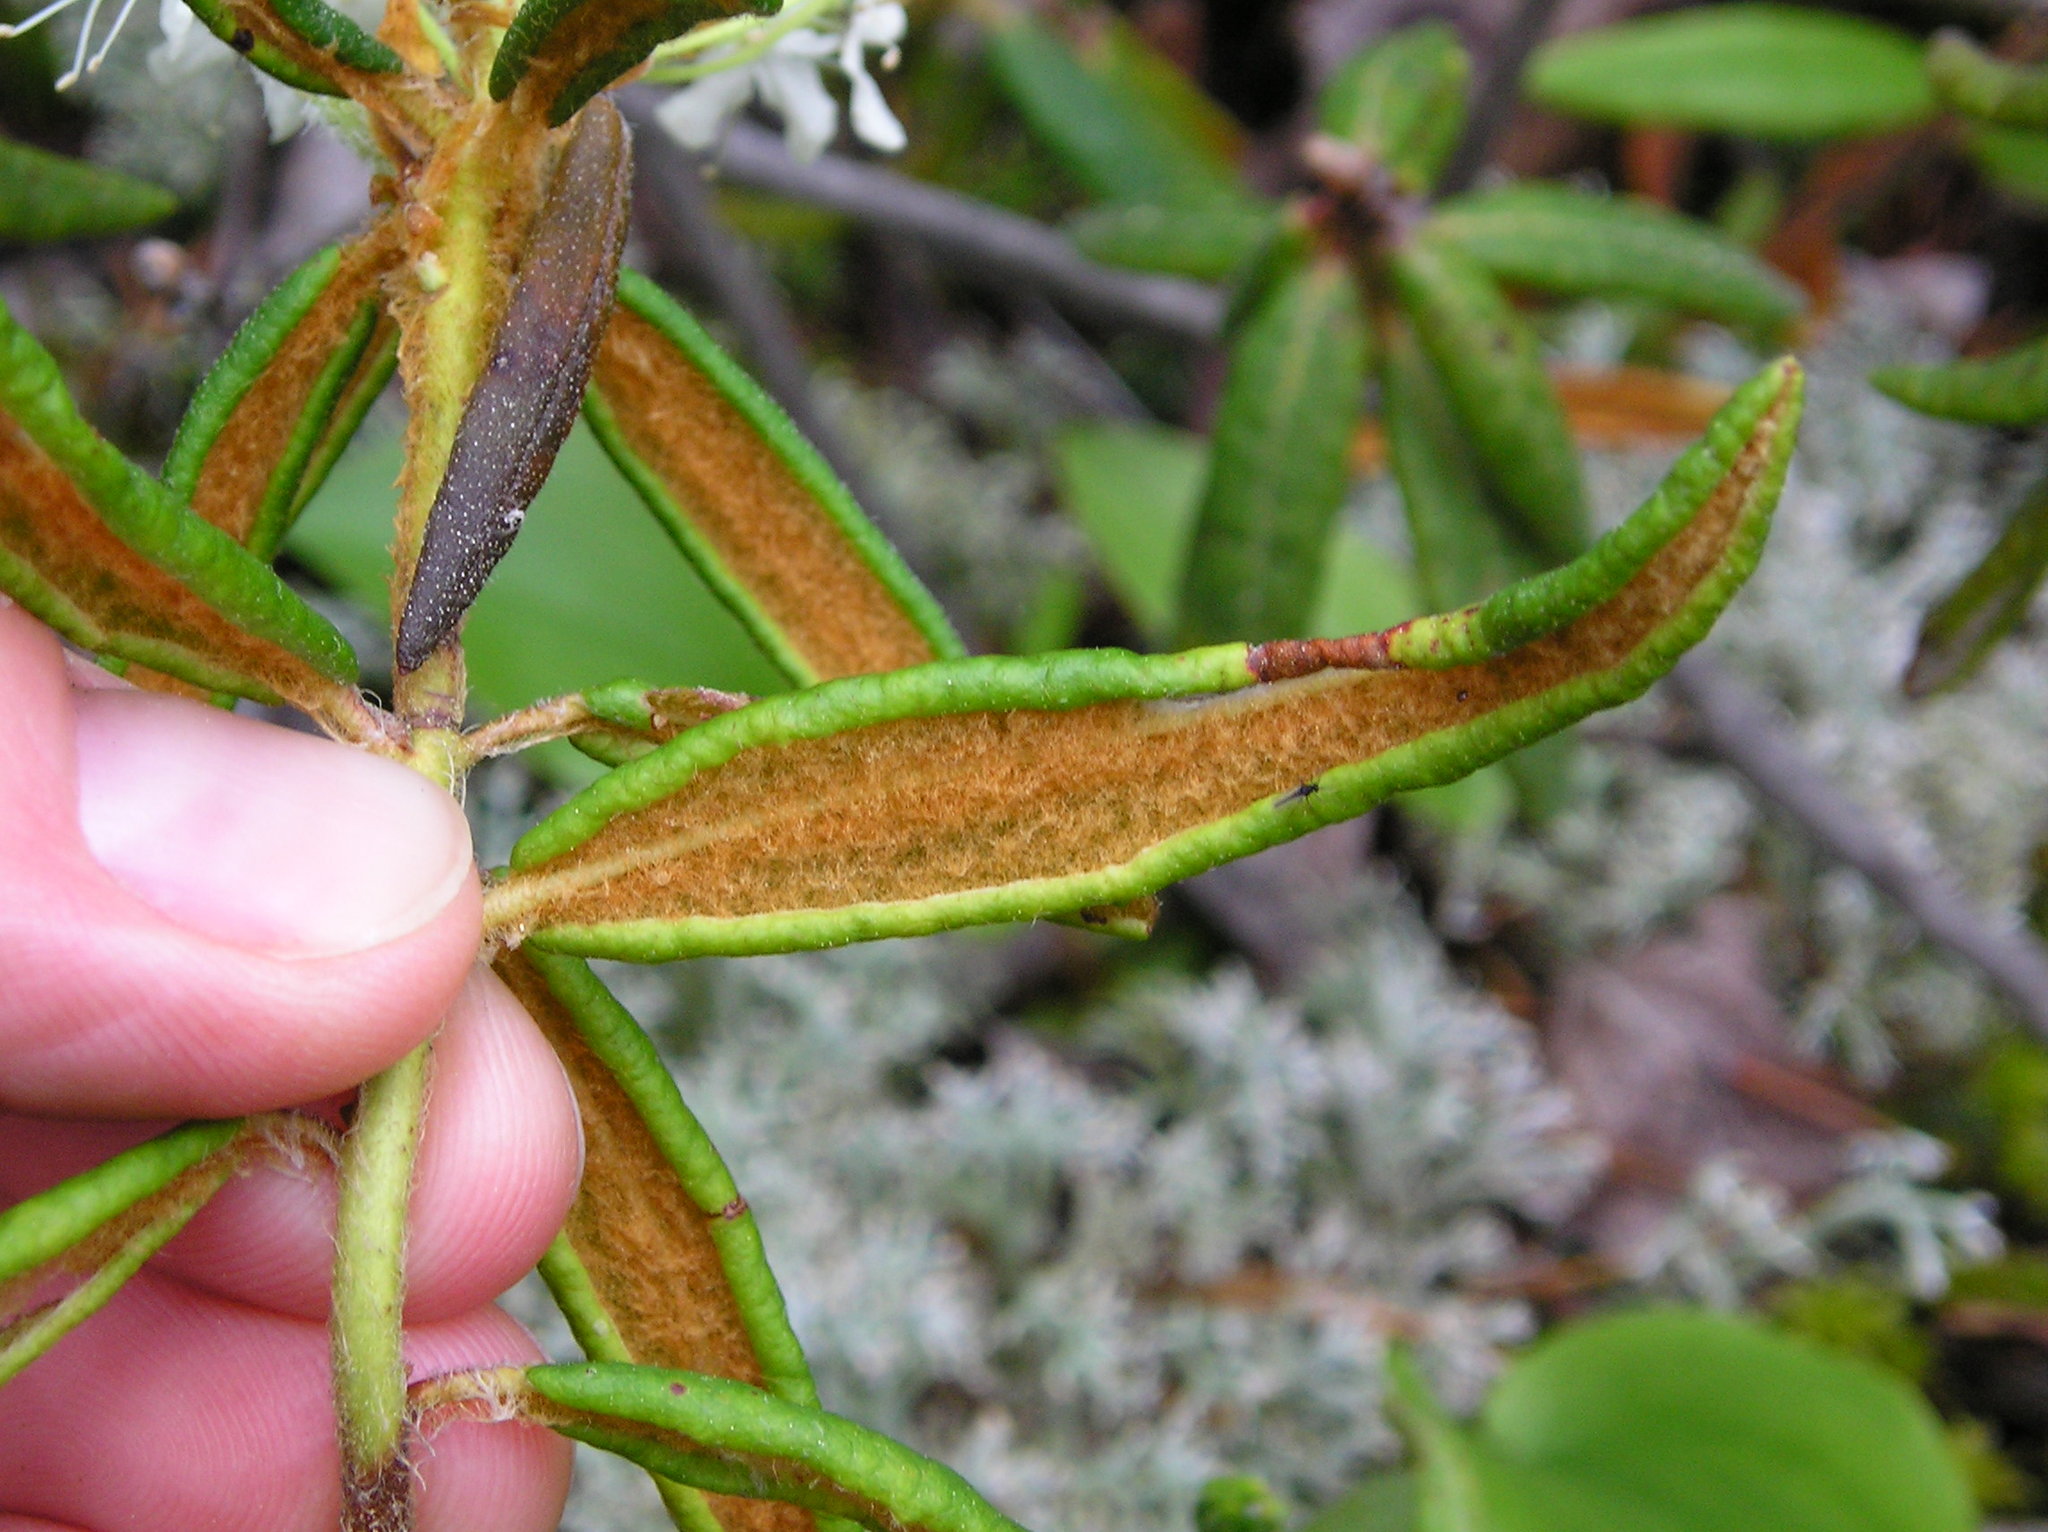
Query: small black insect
point(243, 40)
point(1301, 794)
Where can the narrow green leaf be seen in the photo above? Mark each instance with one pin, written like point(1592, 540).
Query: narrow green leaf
point(35, 1332)
point(639, 1133)
point(660, 1260)
point(42, 1228)
point(1766, 71)
point(1117, 53)
point(279, 405)
point(1111, 135)
point(1280, 459)
point(1402, 100)
point(757, 510)
point(570, 1285)
point(1971, 81)
point(99, 1227)
point(981, 790)
point(308, 44)
point(1493, 371)
point(1466, 548)
point(623, 720)
point(46, 197)
point(1559, 240)
point(2010, 389)
point(103, 553)
point(1989, 605)
point(1465, 545)
point(1211, 243)
point(731, 1439)
point(563, 52)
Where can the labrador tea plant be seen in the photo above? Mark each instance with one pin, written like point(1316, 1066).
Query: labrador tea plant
point(901, 787)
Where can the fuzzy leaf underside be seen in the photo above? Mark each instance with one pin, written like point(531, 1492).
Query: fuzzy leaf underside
point(2006, 390)
point(1987, 606)
point(1279, 466)
point(106, 556)
point(98, 1227)
point(563, 52)
point(1971, 81)
point(305, 43)
point(728, 1438)
point(660, 1261)
point(752, 504)
point(1492, 367)
point(1785, 72)
point(999, 789)
point(274, 412)
point(1210, 244)
point(1402, 101)
point(1113, 139)
point(1563, 241)
point(52, 197)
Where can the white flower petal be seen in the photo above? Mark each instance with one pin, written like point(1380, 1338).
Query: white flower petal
point(284, 107)
point(880, 26)
point(810, 117)
point(174, 19)
point(804, 43)
point(873, 123)
point(695, 115)
point(187, 48)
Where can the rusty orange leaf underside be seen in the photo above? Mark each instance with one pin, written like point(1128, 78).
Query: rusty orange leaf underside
point(231, 486)
point(644, 1242)
point(47, 524)
point(763, 523)
point(920, 807)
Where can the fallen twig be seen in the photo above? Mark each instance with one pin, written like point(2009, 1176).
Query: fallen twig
point(1493, 102)
point(1738, 728)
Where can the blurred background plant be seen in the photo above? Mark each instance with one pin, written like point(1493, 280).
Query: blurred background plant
point(1184, 320)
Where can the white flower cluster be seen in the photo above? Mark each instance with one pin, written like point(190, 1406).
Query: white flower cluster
point(783, 65)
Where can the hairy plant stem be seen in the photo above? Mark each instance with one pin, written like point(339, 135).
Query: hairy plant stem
point(366, 1331)
point(440, 355)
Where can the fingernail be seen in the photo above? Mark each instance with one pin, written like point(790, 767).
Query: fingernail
point(277, 842)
